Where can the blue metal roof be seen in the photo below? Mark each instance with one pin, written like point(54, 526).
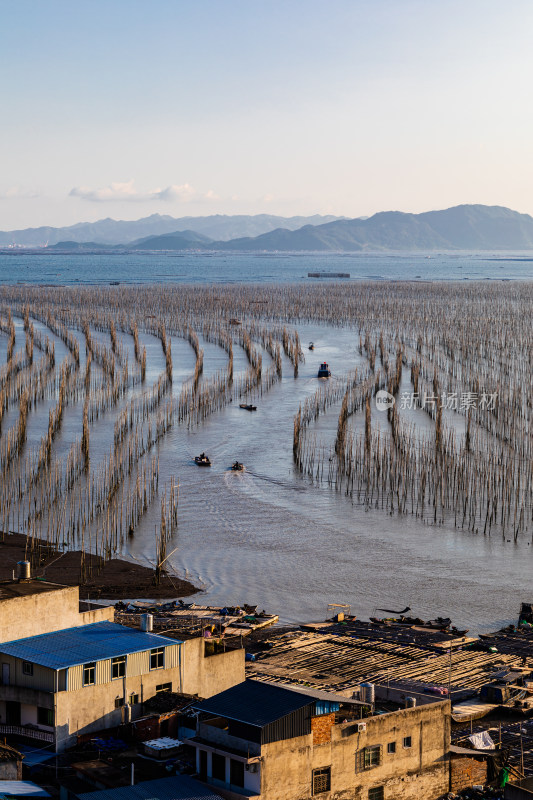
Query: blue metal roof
point(73, 646)
point(180, 787)
point(255, 703)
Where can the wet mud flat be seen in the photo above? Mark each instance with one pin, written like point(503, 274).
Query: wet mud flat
point(112, 579)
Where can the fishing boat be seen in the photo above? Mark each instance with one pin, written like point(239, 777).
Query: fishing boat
point(237, 466)
point(202, 460)
point(324, 370)
point(311, 345)
point(248, 407)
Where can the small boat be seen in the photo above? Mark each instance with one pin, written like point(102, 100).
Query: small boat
point(311, 346)
point(237, 466)
point(248, 407)
point(202, 460)
point(324, 371)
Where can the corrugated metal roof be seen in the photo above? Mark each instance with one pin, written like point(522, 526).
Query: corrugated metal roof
point(254, 703)
point(83, 644)
point(21, 789)
point(179, 787)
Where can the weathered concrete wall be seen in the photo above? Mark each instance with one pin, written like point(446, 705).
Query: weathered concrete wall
point(105, 614)
point(421, 770)
point(10, 770)
point(43, 612)
point(207, 676)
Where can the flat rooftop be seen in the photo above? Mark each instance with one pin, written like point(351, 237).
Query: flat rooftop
point(23, 588)
point(83, 644)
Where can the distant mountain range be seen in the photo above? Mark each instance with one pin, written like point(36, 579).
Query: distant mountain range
point(111, 232)
point(466, 227)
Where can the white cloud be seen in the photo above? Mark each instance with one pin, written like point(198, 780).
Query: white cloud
point(15, 193)
point(120, 192)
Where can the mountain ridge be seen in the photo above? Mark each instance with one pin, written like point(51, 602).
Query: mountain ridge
point(470, 227)
point(220, 227)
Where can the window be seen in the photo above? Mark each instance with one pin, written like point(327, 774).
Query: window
point(89, 671)
point(236, 773)
point(118, 667)
point(377, 793)
point(27, 668)
point(321, 780)
point(45, 716)
point(163, 687)
point(119, 701)
point(391, 747)
point(407, 741)
point(218, 767)
point(134, 698)
point(157, 658)
point(368, 757)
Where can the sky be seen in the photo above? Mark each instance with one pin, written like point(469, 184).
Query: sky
point(126, 108)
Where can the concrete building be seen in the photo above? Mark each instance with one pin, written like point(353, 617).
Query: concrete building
point(29, 607)
point(10, 763)
point(61, 680)
point(262, 741)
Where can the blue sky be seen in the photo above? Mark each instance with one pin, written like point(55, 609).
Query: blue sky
point(125, 108)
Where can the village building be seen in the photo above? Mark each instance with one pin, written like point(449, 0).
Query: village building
point(10, 763)
point(263, 741)
point(71, 673)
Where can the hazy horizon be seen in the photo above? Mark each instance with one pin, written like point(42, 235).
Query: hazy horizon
point(123, 110)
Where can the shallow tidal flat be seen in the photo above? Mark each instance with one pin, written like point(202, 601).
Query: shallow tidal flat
point(108, 393)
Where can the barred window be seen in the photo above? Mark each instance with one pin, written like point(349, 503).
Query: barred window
point(376, 793)
point(368, 757)
point(89, 672)
point(321, 780)
point(391, 747)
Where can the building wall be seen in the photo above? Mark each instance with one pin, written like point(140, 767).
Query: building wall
point(419, 771)
point(207, 676)
point(10, 770)
point(92, 708)
point(465, 772)
point(44, 612)
point(136, 664)
point(286, 767)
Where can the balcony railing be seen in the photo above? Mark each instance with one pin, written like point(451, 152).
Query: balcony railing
point(30, 733)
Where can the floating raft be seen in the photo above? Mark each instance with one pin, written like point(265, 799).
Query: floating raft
point(328, 274)
point(195, 619)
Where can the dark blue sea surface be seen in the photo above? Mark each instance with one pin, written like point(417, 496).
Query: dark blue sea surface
point(128, 268)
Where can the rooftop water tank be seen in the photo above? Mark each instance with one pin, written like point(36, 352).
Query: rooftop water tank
point(147, 623)
point(23, 570)
point(368, 693)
